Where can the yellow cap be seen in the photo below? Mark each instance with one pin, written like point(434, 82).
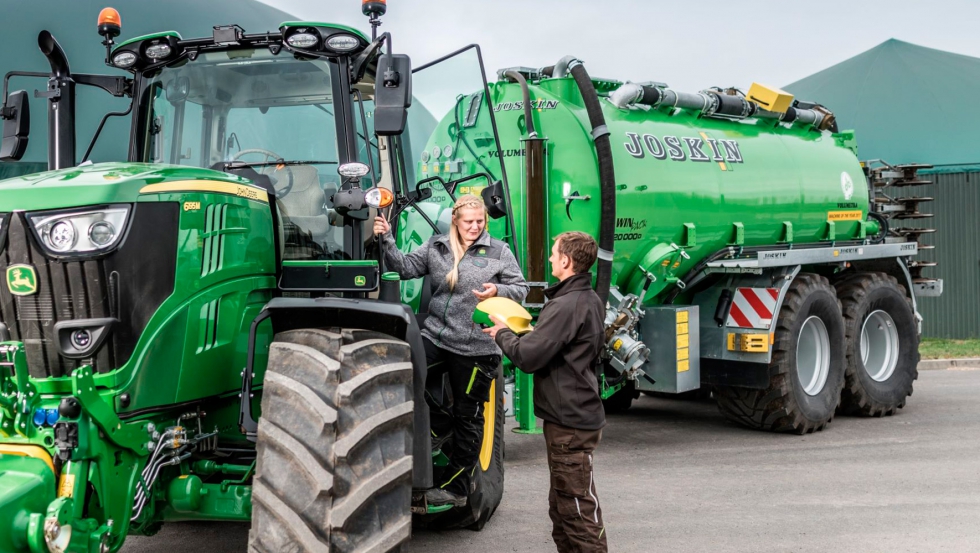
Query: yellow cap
point(517, 318)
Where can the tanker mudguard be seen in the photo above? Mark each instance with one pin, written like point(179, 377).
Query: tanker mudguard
point(393, 319)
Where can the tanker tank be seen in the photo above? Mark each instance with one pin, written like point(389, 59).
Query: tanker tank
point(735, 230)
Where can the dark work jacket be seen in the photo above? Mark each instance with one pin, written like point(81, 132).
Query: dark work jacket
point(562, 352)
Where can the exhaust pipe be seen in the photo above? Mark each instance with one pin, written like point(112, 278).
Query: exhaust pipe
point(61, 104)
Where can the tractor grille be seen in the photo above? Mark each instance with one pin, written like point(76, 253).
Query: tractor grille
point(128, 284)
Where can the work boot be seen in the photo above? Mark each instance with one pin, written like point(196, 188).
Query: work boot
point(436, 497)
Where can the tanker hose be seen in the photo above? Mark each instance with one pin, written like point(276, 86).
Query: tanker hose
point(882, 223)
point(560, 69)
point(632, 93)
point(607, 176)
point(528, 120)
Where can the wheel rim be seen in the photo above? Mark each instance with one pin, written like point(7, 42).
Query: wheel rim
point(813, 355)
point(879, 345)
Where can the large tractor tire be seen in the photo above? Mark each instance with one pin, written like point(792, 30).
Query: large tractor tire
point(334, 447)
point(882, 344)
point(489, 476)
point(806, 373)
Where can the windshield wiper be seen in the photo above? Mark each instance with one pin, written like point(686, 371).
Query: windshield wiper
point(239, 164)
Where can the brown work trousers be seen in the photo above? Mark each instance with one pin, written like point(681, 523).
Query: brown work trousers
point(573, 504)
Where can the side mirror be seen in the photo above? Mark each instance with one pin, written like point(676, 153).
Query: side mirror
point(392, 94)
point(16, 126)
point(495, 200)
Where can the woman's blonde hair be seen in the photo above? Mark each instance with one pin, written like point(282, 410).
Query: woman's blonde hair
point(466, 201)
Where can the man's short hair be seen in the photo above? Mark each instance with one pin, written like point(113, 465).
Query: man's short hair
point(580, 248)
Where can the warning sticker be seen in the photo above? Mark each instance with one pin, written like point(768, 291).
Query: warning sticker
point(845, 215)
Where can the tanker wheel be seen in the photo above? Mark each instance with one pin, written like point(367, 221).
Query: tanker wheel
point(623, 398)
point(488, 479)
point(334, 456)
point(882, 344)
point(806, 373)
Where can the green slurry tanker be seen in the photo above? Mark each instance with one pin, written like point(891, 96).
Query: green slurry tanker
point(206, 330)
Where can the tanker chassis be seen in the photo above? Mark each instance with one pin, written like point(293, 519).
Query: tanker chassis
point(193, 335)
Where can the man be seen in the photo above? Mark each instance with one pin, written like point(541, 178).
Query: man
point(562, 352)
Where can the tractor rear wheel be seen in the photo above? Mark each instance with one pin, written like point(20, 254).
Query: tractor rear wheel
point(334, 456)
point(806, 373)
point(882, 344)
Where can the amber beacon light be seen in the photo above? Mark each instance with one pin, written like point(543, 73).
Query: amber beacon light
point(110, 25)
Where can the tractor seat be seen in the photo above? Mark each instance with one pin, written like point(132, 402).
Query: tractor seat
point(304, 209)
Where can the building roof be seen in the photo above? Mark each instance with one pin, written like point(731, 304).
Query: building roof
point(907, 104)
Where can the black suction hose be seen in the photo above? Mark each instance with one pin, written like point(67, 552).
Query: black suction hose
point(607, 178)
point(528, 120)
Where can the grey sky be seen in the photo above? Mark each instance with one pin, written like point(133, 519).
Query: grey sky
point(689, 45)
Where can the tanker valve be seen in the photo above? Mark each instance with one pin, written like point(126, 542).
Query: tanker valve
point(625, 351)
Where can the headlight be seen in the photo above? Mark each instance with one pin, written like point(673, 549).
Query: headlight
point(343, 43)
point(378, 197)
point(302, 40)
point(158, 51)
point(88, 231)
point(354, 170)
point(124, 59)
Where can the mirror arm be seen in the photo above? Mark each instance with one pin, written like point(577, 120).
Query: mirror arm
point(117, 86)
point(6, 112)
point(359, 66)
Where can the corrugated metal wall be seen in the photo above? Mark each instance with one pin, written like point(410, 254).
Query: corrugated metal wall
point(956, 314)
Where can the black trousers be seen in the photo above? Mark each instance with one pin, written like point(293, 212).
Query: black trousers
point(457, 412)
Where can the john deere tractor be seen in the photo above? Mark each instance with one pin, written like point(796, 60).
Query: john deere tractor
point(205, 330)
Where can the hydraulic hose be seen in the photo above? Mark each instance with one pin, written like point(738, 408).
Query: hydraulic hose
point(528, 120)
point(607, 176)
point(883, 224)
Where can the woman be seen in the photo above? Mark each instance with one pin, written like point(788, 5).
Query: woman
point(466, 266)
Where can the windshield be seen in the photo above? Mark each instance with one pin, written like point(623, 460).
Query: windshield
point(243, 110)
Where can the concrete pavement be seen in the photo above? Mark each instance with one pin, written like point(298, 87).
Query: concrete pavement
point(675, 476)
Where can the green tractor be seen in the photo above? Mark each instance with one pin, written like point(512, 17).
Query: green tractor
point(205, 331)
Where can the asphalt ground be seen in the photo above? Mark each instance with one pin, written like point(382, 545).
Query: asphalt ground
point(675, 476)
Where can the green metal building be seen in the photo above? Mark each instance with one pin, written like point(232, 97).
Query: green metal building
point(911, 104)
point(73, 23)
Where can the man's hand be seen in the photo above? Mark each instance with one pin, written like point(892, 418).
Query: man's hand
point(489, 291)
point(498, 325)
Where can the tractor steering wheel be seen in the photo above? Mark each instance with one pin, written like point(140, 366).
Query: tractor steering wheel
point(269, 169)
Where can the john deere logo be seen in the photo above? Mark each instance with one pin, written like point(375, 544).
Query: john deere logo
point(21, 280)
point(359, 280)
point(481, 252)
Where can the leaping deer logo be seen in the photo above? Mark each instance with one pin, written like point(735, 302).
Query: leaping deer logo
point(21, 280)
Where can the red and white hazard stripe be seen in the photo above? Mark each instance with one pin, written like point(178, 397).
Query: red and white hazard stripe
point(753, 308)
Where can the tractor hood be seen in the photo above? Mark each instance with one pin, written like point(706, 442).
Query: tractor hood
point(101, 183)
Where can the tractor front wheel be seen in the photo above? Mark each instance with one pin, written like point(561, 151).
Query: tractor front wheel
point(334, 456)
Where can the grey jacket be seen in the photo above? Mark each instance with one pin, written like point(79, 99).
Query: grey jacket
point(450, 321)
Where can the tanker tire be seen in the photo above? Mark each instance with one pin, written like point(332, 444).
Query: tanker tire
point(621, 401)
point(862, 294)
point(784, 406)
point(334, 461)
point(489, 489)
